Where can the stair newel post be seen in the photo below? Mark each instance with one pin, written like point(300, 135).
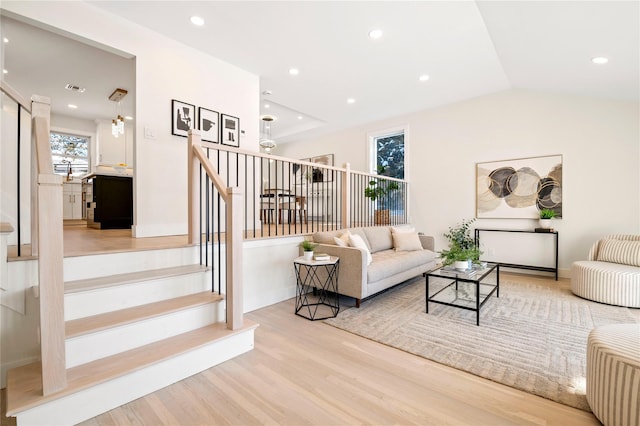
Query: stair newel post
point(193, 186)
point(346, 197)
point(234, 219)
point(50, 250)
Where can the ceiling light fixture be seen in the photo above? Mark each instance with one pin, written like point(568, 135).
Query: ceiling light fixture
point(6, 40)
point(300, 117)
point(599, 60)
point(265, 138)
point(423, 77)
point(128, 117)
point(375, 34)
point(198, 21)
point(351, 101)
point(117, 124)
point(267, 106)
point(72, 106)
point(5, 71)
point(294, 71)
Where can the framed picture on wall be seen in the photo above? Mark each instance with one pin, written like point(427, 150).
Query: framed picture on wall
point(519, 188)
point(208, 123)
point(230, 130)
point(319, 174)
point(183, 117)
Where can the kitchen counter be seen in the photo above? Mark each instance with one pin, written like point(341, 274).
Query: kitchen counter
point(109, 199)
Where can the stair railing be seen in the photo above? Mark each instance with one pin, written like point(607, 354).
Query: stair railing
point(205, 215)
point(47, 244)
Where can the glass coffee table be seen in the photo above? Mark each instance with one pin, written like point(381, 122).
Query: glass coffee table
point(468, 289)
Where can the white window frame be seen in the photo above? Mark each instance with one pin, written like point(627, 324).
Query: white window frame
point(84, 134)
point(371, 147)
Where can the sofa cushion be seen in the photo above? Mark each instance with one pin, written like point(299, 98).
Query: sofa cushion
point(327, 237)
point(402, 229)
point(343, 240)
point(390, 262)
point(620, 251)
point(406, 241)
point(357, 242)
point(379, 238)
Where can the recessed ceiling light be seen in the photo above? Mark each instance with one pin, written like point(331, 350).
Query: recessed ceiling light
point(599, 60)
point(294, 71)
point(423, 77)
point(300, 117)
point(375, 34)
point(351, 101)
point(6, 40)
point(5, 72)
point(128, 117)
point(72, 106)
point(196, 20)
point(267, 105)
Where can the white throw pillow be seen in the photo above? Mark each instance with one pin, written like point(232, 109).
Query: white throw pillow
point(406, 241)
point(358, 242)
point(343, 240)
point(404, 229)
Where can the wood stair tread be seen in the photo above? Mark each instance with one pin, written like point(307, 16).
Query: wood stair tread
point(24, 384)
point(130, 277)
point(92, 324)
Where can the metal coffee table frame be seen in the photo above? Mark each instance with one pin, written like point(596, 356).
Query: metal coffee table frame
point(456, 279)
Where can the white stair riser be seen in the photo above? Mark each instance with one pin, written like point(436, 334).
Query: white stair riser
point(108, 299)
point(111, 394)
point(89, 347)
point(85, 267)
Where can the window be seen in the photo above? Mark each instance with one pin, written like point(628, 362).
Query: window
point(387, 152)
point(70, 154)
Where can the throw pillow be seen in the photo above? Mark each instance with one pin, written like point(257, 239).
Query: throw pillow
point(343, 240)
point(406, 241)
point(404, 229)
point(358, 242)
point(620, 251)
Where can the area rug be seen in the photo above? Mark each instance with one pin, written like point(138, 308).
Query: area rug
point(532, 338)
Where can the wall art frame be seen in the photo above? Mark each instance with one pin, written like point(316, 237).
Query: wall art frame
point(230, 130)
point(209, 123)
point(519, 188)
point(319, 174)
point(183, 118)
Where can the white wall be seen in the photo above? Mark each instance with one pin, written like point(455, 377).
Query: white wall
point(599, 141)
point(165, 70)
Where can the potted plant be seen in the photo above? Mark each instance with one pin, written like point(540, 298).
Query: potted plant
point(545, 218)
point(462, 247)
point(379, 190)
point(307, 249)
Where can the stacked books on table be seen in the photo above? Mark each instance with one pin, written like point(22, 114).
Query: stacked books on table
point(321, 256)
point(451, 271)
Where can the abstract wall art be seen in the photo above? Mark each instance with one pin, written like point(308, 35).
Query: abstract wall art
point(519, 188)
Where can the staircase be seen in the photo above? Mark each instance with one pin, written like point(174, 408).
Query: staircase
point(126, 335)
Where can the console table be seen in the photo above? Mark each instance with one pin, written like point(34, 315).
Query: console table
point(552, 234)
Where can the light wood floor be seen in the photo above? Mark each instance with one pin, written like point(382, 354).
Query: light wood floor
point(304, 372)
point(310, 373)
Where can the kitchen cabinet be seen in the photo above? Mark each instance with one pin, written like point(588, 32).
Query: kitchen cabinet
point(111, 203)
point(72, 200)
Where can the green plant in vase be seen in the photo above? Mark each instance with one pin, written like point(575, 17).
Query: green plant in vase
point(462, 246)
point(308, 247)
point(379, 189)
point(545, 218)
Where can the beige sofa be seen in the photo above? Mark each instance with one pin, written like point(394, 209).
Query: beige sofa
point(388, 267)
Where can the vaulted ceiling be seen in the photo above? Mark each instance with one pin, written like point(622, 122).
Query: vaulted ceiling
point(467, 49)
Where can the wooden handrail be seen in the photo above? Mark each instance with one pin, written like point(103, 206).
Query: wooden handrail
point(15, 95)
point(234, 214)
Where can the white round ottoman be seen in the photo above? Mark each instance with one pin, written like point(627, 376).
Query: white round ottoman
point(605, 282)
point(613, 374)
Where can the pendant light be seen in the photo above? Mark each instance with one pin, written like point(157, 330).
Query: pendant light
point(265, 135)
